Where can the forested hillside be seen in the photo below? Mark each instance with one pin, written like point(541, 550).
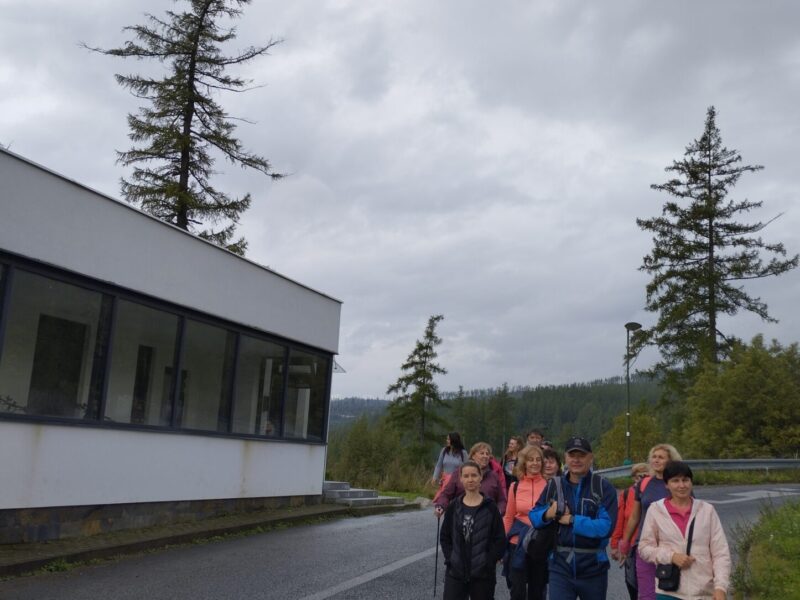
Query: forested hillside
point(490, 415)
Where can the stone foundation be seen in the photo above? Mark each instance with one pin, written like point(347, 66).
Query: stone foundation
point(25, 525)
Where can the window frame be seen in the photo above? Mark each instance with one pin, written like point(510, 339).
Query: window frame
point(10, 263)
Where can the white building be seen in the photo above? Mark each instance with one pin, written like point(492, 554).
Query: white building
point(101, 306)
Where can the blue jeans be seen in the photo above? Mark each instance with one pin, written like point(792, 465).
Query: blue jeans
point(564, 587)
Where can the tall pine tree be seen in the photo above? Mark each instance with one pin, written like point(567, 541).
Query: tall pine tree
point(183, 130)
point(414, 407)
point(701, 255)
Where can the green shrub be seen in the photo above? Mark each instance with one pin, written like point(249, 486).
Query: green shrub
point(769, 553)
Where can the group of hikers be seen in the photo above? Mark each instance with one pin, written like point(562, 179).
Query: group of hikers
point(552, 528)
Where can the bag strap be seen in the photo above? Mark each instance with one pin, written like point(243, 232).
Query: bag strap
point(689, 539)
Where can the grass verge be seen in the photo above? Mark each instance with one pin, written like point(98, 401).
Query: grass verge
point(769, 553)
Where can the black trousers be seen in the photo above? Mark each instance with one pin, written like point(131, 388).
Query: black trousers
point(530, 583)
point(474, 589)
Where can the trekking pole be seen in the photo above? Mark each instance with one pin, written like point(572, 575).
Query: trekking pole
point(436, 564)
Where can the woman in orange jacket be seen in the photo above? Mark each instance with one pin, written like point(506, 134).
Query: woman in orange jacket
point(529, 583)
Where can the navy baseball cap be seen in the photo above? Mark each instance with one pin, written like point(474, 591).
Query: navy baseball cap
point(578, 443)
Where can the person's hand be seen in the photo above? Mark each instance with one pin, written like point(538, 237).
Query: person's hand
point(437, 511)
point(434, 482)
point(614, 554)
point(550, 514)
point(624, 547)
point(682, 561)
point(566, 518)
point(720, 594)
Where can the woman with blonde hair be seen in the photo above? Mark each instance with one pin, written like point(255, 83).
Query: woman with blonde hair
point(480, 453)
point(527, 581)
point(650, 489)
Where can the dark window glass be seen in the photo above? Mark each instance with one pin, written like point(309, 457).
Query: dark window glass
point(53, 348)
point(204, 384)
point(304, 411)
point(259, 387)
point(142, 360)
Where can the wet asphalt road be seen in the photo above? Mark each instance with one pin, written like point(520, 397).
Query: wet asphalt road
point(385, 556)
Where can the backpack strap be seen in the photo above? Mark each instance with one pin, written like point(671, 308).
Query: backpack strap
point(597, 488)
point(560, 502)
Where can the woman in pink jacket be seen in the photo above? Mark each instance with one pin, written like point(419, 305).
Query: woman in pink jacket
point(705, 570)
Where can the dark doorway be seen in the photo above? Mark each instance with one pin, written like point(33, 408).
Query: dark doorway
point(57, 364)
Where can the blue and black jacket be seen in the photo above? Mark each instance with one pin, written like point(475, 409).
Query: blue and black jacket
point(581, 547)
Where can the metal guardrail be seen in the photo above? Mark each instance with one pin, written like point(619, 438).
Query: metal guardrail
point(726, 464)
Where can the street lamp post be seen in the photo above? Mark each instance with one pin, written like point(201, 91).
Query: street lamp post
point(629, 328)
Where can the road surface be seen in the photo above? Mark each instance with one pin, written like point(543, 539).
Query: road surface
point(380, 557)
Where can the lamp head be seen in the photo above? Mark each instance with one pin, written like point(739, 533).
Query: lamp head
point(633, 326)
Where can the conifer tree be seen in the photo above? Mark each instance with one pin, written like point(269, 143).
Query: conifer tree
point(414, 408)
point(701, 255)
point(183, 130)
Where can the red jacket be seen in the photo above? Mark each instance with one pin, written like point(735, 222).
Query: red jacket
point(624, 510)
point(625, 507)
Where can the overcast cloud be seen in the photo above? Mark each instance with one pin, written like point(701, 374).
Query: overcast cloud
point(486, 161)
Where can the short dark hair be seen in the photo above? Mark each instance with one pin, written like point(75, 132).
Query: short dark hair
point(550, 453)
point(677, 468)
point(535, 431)
point(468, 463)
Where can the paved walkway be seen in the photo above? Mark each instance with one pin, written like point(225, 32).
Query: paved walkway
point(16, 559)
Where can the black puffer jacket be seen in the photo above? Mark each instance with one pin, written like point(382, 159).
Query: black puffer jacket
point(476, 559)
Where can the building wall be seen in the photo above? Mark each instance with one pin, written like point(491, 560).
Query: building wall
point(99, 461)
point(49, 218)
point(48, 465)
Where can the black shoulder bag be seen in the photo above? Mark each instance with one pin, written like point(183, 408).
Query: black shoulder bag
point(669, 576)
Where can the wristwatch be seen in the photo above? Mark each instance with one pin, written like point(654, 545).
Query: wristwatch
point(572, 520)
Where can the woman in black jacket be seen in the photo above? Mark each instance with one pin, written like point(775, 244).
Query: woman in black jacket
point(473, 540)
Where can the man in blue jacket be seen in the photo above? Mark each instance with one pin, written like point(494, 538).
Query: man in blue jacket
point(578, 564)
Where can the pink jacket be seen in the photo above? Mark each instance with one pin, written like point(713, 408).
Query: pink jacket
point(661, 538)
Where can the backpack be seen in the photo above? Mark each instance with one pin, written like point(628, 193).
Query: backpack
point(538, 543)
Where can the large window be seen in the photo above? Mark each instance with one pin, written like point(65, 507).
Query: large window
point(259, 387)
point(85, 351)
point(142, 359)
point(204, 383)
point(304, 414)
point(53, 349)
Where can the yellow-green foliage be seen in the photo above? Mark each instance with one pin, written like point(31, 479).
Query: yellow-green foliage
point(769, 555)
point(646, 433)
point(747, 406)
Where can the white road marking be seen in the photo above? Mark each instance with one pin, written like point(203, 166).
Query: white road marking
point(370, 575)
point(756, 495)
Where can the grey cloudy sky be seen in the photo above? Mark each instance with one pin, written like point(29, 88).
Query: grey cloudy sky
point(486, 161)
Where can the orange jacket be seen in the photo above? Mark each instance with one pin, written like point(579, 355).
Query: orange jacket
point(521, 500)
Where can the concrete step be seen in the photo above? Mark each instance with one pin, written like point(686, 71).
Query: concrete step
point(376, 501)
point(335, 485)
point(351, 493)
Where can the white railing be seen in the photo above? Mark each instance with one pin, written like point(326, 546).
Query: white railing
point(726, 464)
